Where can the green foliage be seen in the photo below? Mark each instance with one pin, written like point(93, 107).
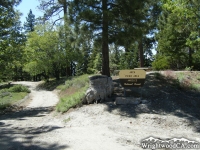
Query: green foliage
point(4, 93)
point(19, 88)
point(84, 48)
point(34, 68)
point(79, 85)
point(9, 94)
point(30, 22)
point(10, 99)
point(178, 36)
point(128, 61)
point(97, 62)
point(46, 52)
point(77, 82)
point(180, 76)
point(188, 68)
point(195, 87)
point(196, 60)
point(95, 59)
point(70, 102)
point(161, 63)
point(12, 42)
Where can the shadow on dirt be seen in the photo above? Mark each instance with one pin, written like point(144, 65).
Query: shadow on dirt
point(19, 138)
point(21, 114)
point(25, 138)
point(164, 96)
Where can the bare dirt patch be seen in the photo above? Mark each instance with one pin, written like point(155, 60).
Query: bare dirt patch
point(170, 112)
point(69, 91)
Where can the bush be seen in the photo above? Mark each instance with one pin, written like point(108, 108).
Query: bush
point(19, 88)
point(70, 100)
point(161, 63)
point(188, 68)
point(4, 93)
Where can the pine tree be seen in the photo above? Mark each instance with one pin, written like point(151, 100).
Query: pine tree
point(10, 37)
point(30, 22)
point(178, 36)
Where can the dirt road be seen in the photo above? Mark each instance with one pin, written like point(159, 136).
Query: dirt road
point(103, 126)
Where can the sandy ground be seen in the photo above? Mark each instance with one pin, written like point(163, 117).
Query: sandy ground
point(103, 126)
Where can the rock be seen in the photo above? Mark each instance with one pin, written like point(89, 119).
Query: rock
point(100, 87)
point(110, 86)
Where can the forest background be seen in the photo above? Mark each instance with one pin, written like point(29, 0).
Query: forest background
point(98, 36)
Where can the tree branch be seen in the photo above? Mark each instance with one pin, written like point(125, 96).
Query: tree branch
point(57, 20)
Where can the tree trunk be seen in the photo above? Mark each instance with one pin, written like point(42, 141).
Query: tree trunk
point(57, 74)
point(190, 57)
point(105, 49)
point(71, 69)
point(65, 8)
point(68, 69)
point(141, 53)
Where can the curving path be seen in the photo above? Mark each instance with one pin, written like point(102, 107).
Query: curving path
point(40, 98)
point(91, 127)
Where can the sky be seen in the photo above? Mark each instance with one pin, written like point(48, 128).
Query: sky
point(25, 6)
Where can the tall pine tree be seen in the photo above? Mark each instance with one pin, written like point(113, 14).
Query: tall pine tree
point(30, 22)
point(9, 37)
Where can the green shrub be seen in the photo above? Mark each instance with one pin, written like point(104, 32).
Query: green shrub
point(180, 76)
point(161, 63)
point(19, 88)
point(77, 82)
point(71, 101)
point(195, 87)
point(80, 84)
point(4, 105)
point(4, 93)
point(188, 68)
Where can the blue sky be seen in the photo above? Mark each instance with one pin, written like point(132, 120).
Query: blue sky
point(25, 7)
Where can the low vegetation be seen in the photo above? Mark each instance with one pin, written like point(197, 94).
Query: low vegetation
point(52, 84)
point(72, 92)
point(185, 80)
point(10, 94)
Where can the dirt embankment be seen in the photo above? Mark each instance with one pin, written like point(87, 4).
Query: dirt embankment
point(169, 113)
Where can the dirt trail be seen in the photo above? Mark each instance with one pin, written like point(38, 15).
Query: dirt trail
point(39, 98)
point(92, 127)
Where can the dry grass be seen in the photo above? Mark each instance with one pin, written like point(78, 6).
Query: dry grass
point(72, 93)
point(188, 80)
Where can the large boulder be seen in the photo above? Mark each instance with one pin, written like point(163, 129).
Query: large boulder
point(100, 87)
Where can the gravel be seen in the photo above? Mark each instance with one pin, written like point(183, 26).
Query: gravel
point(103, 126)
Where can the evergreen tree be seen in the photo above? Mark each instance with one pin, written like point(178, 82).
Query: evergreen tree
point(83, 47)
point(11, 38)
point(30, 22)
point(178, 36)
point(95, 59)
point(110, 21)
point(136, 21)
